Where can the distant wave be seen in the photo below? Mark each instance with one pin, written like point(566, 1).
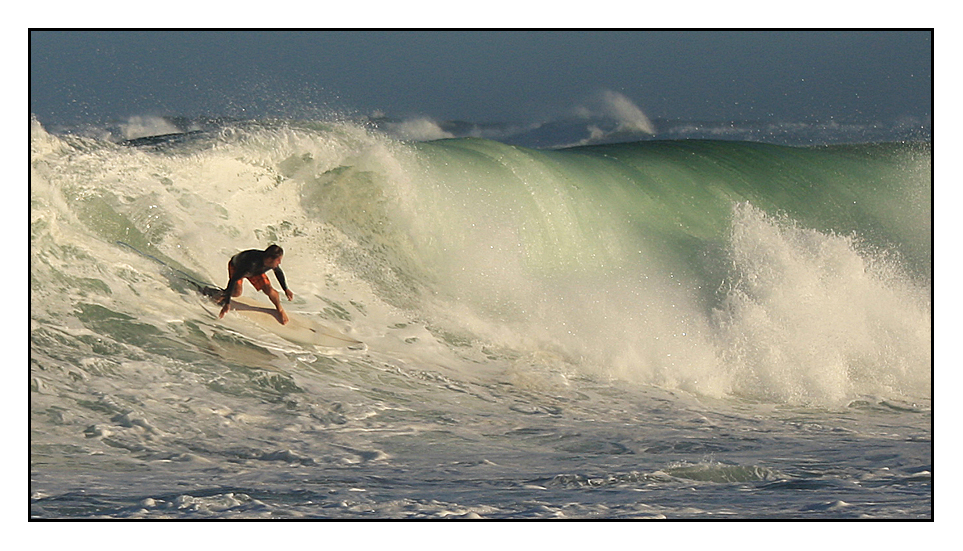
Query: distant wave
point(606, 117)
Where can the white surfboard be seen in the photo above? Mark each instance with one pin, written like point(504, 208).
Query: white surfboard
point(299, 329)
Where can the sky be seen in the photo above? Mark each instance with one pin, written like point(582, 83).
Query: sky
point(481, 76)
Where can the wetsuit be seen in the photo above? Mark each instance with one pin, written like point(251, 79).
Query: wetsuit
point(250, 264)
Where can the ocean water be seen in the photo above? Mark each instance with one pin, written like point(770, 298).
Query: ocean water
point(654, 329)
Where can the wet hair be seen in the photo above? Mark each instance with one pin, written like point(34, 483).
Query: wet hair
point(274, 251)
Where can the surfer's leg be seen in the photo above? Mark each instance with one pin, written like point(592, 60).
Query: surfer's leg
point(276, 300)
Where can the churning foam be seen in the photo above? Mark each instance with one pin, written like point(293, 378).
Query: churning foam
point(814, 317)
point(545, 254)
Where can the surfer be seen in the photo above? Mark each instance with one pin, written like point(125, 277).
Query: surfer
point(253, 265)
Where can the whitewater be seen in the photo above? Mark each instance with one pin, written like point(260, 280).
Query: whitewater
point(660, 329)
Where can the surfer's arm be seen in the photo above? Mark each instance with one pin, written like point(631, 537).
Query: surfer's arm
point(284, 284)
point(228, 293)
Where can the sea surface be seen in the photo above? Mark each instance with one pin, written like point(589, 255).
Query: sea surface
point(578, 321)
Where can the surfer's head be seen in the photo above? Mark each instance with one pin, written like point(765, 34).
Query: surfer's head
point(273, 256)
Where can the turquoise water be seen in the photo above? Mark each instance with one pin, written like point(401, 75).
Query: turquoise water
point(664, 329)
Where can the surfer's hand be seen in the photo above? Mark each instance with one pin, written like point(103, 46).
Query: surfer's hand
point(224, 310)
point(289, 294)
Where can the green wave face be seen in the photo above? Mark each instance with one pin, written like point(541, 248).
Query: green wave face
point(724, 268)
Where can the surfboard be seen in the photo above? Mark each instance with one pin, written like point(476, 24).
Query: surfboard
point(299, 329)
